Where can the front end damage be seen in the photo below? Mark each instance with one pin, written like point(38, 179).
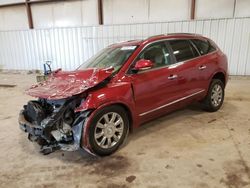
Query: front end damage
point(53, 120)
point(54, 124)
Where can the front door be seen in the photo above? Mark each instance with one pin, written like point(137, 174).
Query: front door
point(155, 87)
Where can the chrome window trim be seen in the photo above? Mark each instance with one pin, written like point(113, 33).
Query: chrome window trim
point(173, 102)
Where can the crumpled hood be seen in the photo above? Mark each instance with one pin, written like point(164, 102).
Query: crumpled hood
point(65, 84)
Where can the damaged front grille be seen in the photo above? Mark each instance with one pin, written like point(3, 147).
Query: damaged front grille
point(53, 124)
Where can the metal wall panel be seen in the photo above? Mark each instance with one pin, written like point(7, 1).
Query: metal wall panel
point(4, 2)
point(129, 11)
point(242, 8)
point(69, 47)
point(170, 10)
point(214, 9)
point(65, 14)
point(13, 18)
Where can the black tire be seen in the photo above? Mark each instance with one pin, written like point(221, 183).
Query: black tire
point(208, 103)
point(93, 124)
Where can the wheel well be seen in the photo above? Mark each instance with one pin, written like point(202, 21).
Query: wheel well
point(129, 115)
point(220, 76)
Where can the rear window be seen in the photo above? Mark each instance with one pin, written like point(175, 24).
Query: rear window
point(203, 46)
point(183, 50)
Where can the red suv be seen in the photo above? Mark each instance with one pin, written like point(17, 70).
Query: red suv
point(121, 87)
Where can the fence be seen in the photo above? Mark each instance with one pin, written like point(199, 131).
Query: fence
point(69, 47)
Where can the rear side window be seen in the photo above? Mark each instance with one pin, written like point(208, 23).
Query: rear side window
point(183, 50)
point(203, 46)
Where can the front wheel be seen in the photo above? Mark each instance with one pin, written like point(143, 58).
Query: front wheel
point(108, 130)
point(215, 96)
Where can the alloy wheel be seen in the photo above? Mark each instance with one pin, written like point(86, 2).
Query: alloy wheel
point(109, 130)
point(216, 96)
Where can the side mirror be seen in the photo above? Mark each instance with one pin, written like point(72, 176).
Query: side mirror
point(143, 64)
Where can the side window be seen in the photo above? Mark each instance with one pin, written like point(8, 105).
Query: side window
point(183, 50)
point(157, 53)
point(203, 46)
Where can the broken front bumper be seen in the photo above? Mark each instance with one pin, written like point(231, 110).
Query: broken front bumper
point(28, 127)
point(36, 133)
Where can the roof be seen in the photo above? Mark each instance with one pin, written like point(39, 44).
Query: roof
point(172, 35)
point(157, 37)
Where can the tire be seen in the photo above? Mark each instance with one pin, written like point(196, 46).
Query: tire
point(111, 122)
point(213, 101)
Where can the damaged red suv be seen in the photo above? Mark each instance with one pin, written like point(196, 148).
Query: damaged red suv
point(122, 87)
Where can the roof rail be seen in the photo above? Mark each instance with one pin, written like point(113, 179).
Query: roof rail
point(155, 36)
point(132, 40)
point(183, 34)
point(161, 35)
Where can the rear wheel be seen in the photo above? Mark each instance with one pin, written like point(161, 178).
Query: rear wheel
point(215, 96)
point(108, 130)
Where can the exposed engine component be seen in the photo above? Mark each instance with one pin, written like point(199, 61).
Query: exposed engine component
point(34, 112)
point(68, 116)
point(52, 123)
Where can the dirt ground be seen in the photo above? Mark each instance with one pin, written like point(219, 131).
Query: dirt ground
point(186, 149)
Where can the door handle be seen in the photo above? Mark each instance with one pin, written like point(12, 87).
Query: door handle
point(172, 77)
point(202, 67)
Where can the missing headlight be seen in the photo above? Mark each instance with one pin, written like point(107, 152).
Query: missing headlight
point(51, 123)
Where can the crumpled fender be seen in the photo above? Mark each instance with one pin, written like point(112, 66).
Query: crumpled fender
point(118, 93)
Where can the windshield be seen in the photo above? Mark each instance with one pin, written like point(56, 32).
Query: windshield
point(109, 57)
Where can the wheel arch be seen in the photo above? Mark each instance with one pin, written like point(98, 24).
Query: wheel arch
point(125, 107)
point(221, 76)
point(85, 137)
point(129, 113)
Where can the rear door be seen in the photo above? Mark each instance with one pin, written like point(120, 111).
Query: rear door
point(207, 60)
point(188, 62)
